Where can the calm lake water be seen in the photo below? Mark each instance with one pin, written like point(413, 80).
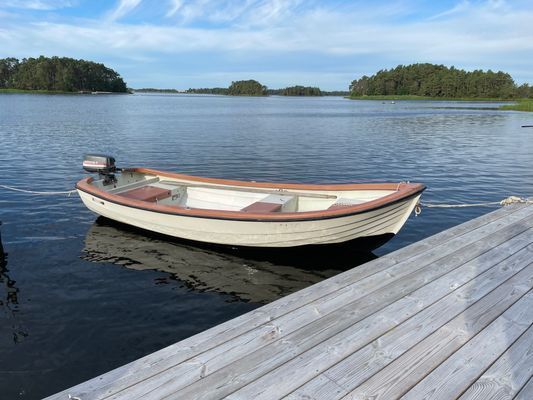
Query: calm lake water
point(80, 296)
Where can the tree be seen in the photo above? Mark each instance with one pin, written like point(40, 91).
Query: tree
point(247, 88)
point(8, 67)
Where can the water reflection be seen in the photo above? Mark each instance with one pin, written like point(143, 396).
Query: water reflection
point(9, 299)
point(256, 276)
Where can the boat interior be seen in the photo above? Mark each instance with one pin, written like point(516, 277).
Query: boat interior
point(214, 196)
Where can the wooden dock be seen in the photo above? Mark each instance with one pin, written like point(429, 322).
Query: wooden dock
point(447, 317)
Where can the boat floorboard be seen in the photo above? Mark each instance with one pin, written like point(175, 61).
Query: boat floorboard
point(447, 317)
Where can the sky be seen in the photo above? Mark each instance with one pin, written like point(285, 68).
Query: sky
point(209, 43)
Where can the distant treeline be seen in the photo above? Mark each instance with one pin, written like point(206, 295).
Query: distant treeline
point(238, 88)
point(296, 91)
point(216, 90)
point(154, 90)
point(254, 88)
point(336, 93)
point(432, 80)
point(58, 74)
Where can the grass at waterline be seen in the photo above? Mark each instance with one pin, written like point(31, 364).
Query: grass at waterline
point(42, 91)
point(521, 105)
point(35, 91)
point(413, 97)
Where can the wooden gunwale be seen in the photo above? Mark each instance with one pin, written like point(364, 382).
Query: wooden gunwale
point(403, 191)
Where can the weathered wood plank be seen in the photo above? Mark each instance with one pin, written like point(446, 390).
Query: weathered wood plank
point(368, 324)
point(457, 373)
point(508, 375)
point(204, 364)
point(356, 367)
point(527, 391)
point(319, 388)
point(264, 319)
point(405, 371)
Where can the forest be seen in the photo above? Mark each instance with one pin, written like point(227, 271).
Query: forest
point(254, 88)
point(247, 88)
point(238, 88)
point(216, 90)
point(439, 81)
point(297, 91)
point(59, 74)
point(156, 90)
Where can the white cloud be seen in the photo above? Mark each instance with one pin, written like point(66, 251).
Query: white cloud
point(271, 11)
point(459, 8)
point(485, 35)
point(37, 4)
point(175, 5)
point(243, 12)
point(323, 33)
point(123, 7)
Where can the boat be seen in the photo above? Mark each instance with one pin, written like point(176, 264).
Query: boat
point(248, 214)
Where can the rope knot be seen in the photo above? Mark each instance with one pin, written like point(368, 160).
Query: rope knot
point(512, 200)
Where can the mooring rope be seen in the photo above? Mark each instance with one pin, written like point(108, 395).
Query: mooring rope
point(418, 208)
point(505, 202)
point(68, 192)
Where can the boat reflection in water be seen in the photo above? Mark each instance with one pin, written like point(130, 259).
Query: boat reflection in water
point(9, 296)
point(250, 275)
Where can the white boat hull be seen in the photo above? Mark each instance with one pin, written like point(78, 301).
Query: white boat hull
point(385, 220)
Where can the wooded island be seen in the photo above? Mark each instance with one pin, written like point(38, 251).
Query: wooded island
point(439, 82)
point(59, 74)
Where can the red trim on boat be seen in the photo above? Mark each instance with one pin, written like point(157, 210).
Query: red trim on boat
point(402, 191)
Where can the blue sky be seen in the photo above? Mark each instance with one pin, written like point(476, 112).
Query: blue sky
point(206, 43)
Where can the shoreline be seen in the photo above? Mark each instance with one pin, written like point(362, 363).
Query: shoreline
point(524, 105)
point(44, 91)
point(428, 98)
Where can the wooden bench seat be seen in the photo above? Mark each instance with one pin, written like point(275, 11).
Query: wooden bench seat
point(263, 207)
point(270, 203)
point(147, 193)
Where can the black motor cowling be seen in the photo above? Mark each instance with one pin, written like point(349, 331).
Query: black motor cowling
point(104, 165)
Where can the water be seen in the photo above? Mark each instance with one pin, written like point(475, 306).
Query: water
point(79, 296)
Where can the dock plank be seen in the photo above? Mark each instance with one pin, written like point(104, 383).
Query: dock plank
point(508, 375)
point(451, 378)
point(140, 369)
point(527, 391)
point(243, 356)
point(381, 317)
point(328, 310)
point(405, 371)
point(358, 363)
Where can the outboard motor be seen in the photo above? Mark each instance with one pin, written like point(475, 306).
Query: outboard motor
point(104, 165)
